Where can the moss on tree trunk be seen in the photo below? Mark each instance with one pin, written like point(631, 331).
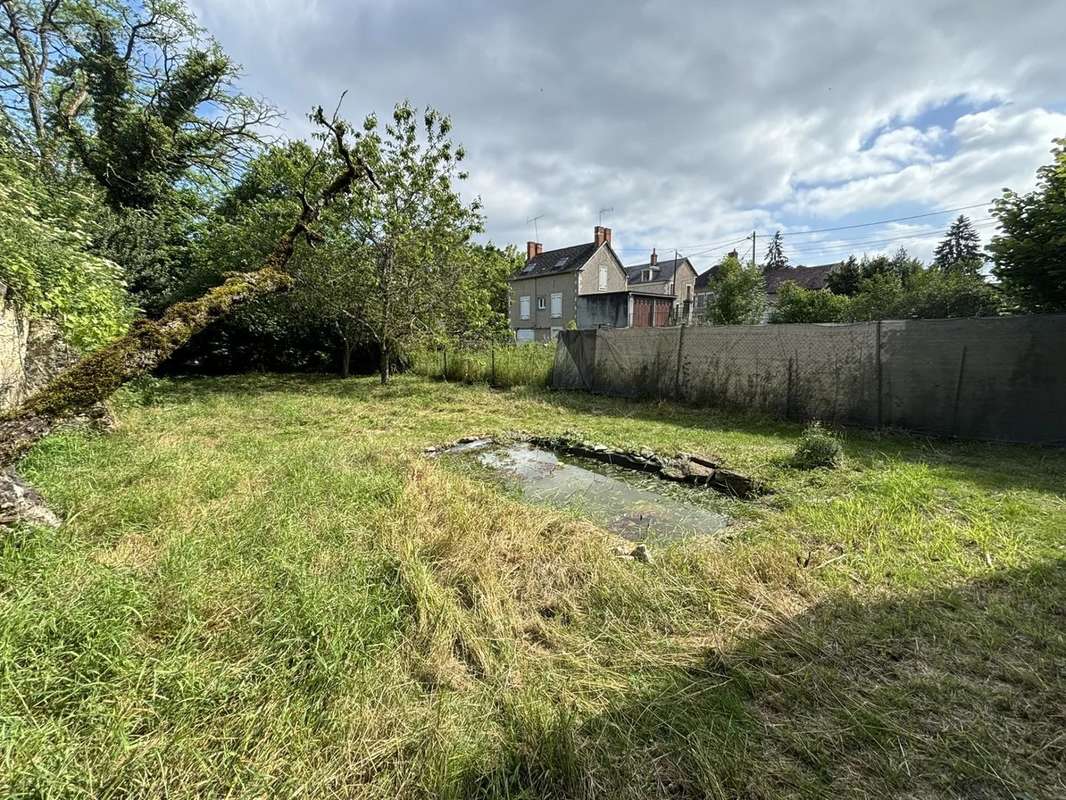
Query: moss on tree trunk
point(150, 342)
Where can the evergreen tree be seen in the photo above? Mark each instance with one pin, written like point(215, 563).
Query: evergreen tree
point(960, 251)
point(775, 255)
point(845, 278)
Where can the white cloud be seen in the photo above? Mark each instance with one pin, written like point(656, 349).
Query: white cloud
point(693, 121)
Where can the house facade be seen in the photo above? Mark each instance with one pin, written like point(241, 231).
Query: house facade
point(565, 288)
point(673, 277)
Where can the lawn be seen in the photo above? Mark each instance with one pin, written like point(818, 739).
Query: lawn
point(262, 589)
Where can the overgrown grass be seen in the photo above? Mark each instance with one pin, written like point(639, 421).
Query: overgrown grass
point(503, 366)
point(262, 589)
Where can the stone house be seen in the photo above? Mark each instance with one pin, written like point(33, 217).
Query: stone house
point(584, 286)
point(675, 277)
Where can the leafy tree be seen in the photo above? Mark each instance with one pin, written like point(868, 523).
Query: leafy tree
point(405, 241)
point(45, 258)
point(150, 342)
point(960, 250)
point(135, 95)
point(736, 294)
point(775, 254)
point(1030, 254)
point(796, 304)
point(845, 278)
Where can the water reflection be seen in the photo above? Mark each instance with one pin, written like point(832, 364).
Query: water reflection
point(622, 507)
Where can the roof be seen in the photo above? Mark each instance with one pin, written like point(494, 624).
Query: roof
point(661, 271)
point(556, 262)
point(807, 277)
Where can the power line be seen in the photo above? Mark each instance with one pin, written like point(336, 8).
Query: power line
point(979, 223)
point(851, 246)
point(886, 221)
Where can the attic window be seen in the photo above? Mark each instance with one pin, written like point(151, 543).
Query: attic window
point(562, 261)
point(647, 275)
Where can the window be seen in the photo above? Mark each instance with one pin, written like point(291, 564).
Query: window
point(541, 303)
point(603, 277)
point(647, 275)
point(557, 305)
point(523, 306)
point(525, 335)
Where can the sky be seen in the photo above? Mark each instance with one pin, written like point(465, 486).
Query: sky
point(694, 123)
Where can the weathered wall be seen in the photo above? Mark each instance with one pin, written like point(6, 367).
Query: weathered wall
point(999, 379)
point(13, 335)
point(589, 274)
point(610, 310)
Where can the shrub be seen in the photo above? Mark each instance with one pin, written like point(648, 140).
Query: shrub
point(818, 448)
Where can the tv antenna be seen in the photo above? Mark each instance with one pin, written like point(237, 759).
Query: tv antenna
point(533, 221)
point(605, 211)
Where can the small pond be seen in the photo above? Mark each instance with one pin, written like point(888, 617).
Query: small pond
point(631, 504)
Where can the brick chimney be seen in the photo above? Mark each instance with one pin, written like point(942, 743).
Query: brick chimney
point(533, 249)
point(654, 257)
point(602, 235)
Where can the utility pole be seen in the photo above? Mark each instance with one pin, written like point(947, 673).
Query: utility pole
point(605, 211)
point(753, 248)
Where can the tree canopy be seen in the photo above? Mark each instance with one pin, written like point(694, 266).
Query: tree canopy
point(960, 250)
point(1030, 253)
point(736, 294)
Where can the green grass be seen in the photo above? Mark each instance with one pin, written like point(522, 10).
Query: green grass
point(262, 590)
point(503, 366)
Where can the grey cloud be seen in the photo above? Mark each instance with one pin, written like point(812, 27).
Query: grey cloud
point(692, 121)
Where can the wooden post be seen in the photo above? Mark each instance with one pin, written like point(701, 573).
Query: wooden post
point(444, 372)
point(492, 359)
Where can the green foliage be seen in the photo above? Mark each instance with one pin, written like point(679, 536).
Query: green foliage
point(797, 304)
point(737, 294)
point(899, 287)
point(845, 278)
point(960, 251)
point(149, 130)
point(502, 365)
point(1030, 254)
point(775, 254)
point(399, 267)
point(46, 258)
point(817, 449)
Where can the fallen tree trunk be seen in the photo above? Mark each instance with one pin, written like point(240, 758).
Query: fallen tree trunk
point(150, 342)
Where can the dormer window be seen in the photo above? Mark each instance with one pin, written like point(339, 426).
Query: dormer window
point(647, 275)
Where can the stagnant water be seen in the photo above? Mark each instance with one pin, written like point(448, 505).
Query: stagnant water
point(628, 504)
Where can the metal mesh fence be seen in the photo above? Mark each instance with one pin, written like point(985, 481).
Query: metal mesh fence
point(999, 378)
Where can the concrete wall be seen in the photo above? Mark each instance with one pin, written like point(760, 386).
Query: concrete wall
point(13, 341)
point(1001, 379)
point(603, 310)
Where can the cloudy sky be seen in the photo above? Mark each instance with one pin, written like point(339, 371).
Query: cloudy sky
point(694, 123)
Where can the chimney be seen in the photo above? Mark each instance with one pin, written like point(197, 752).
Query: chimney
point(602, 235)
point(533, 249)
point(733, 254)
point(654, 257)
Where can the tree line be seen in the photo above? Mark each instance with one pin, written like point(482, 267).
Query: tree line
point(1022, 270)
point(137, 175)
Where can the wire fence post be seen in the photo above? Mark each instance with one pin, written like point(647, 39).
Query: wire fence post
point(492, 361)
point(444, 369)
